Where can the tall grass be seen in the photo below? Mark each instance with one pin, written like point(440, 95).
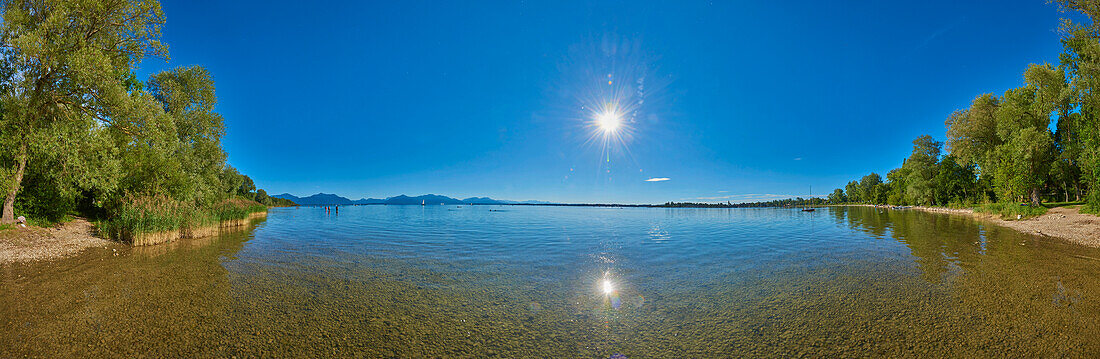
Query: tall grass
point(236, 208)
point(1010, 210)
point(150, 214)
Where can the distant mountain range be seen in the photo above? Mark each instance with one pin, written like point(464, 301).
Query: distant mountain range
point(433, 199)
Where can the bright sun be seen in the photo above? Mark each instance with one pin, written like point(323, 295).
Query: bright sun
point(609, 120)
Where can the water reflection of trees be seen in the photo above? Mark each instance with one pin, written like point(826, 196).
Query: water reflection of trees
point(1014, 294)
point(941, 243)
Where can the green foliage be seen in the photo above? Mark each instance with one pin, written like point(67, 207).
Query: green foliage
point(955, 183)
point(66, 73)
point(1010, 210)
point(80, 133)
point(871, 189)
point(1023, 163)
point(837, 196)
point(854, 192)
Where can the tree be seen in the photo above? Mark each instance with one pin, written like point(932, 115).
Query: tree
point(922, 166)
point(954, 182)
point(972, 133)
point(837, 196)
point(854, 192)
point(183, 158)
point(1023, 163)
point(1079, 132)
point(898, 186)
point(247, 188)
point(72, 63)
point(872, 188)
point(262, 197)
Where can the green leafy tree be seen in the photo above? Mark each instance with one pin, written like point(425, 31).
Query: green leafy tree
point(854, 192)
point(954, 182)
point(872, 188)
point(247, 188)
point(262, 197)
point(896, 195)
point(837, 196)
point(972, 133)
point(1024, 162)
point(922, 166)
point(1079, 132)
point(183, 159)
point(72, 63)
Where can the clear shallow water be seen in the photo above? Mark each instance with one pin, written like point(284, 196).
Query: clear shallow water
point(412, 281)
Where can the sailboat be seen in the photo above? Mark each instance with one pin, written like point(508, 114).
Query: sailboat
point(804, 209)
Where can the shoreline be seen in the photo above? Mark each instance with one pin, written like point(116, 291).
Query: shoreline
point(36, 244)
point(1061, 223)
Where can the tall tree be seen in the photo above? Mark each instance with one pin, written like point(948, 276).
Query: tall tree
point(972, 133)
point(855, 194)
point(837, 196)
point(1079, 134)
point(922, 166)
point(872, 188)
point(183, 159)
point(72, 62)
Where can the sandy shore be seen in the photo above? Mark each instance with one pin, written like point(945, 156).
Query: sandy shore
point(32, 244)
point(1060, 222)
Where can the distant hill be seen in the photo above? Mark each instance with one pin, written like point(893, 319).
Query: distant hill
point(432, 199)
point(317, 199)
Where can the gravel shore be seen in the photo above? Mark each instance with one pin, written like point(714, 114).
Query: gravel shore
point(1059, 222)
point(32, 244)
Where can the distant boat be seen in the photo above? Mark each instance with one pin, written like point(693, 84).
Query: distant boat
point(811, 196)
point(421, 202)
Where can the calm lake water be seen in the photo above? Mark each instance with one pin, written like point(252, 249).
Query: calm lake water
point(478, 281)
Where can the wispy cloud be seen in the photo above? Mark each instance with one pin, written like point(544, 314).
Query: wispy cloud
point(658, 179)
point(936, 34)
point(798, 158)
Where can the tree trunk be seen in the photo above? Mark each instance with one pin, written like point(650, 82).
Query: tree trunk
point(1065, 189)
point(1035, 201)
point(9, 200)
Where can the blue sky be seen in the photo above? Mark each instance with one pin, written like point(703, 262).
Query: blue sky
point(740, 100)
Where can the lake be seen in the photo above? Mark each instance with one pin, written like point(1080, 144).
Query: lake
point(533, 281)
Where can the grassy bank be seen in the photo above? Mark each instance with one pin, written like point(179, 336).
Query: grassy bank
point(147, 215)
point(1010, 211)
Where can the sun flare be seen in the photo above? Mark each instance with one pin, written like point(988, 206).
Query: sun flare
point(609, 120)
